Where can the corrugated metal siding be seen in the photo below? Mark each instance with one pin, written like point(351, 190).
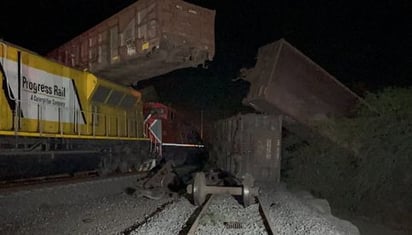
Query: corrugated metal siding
point(249, 144)
point(191, 23)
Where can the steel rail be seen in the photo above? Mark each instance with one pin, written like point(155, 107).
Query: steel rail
point(60, 179)
point(205, 206)
point(266, 219)
point(264, 213)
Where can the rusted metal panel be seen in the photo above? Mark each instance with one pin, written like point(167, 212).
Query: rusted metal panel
point(286, 81)
point(249, 143)
point(144, 40)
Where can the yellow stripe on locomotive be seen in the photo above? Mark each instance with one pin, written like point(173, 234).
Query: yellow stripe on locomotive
point(43, 98)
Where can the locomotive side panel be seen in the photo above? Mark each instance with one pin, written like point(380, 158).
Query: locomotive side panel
point(55, 119)
point(5, 104)
point(42, 97)
point(39, 92)
point(176, 128)
point(117, 111)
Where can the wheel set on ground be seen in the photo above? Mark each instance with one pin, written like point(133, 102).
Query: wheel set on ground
point(199, 189)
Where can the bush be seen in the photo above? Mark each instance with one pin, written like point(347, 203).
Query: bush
point(367, 168)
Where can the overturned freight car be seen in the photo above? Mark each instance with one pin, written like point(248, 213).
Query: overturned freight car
point(144, 40)
point(285, 81)
point(248, 144)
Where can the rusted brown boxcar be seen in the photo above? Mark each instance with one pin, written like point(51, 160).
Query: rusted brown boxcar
point(286, 81)
point(249, 143)
point(146, 39)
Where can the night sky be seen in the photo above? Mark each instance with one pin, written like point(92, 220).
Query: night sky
point(364, 44)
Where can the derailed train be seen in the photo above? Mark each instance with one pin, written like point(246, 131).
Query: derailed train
point(146, 39)
point(56, 119)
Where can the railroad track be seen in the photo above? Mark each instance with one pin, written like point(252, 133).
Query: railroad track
point(45, 179)
point(222, 214)
point(51, 180)
point(209, 209)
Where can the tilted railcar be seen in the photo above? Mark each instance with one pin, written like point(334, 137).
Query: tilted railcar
point(285, 81)
point(50, 113)
point(144, 40)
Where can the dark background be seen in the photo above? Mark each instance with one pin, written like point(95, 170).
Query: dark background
point(364, 44)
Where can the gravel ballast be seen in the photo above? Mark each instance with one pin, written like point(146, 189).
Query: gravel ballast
point(95, 207)
point(224, 210)
point(301, 213)
point(171, 220)
point(103, 208)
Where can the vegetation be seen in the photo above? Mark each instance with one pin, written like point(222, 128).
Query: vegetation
point(367, 168)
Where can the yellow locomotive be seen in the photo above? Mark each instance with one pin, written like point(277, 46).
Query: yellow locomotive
point(50, 113)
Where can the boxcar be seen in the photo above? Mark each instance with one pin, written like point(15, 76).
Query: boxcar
point(146, 39)
point(248, 144)
point(286, 80)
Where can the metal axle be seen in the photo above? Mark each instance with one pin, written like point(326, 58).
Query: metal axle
point(200, 190)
